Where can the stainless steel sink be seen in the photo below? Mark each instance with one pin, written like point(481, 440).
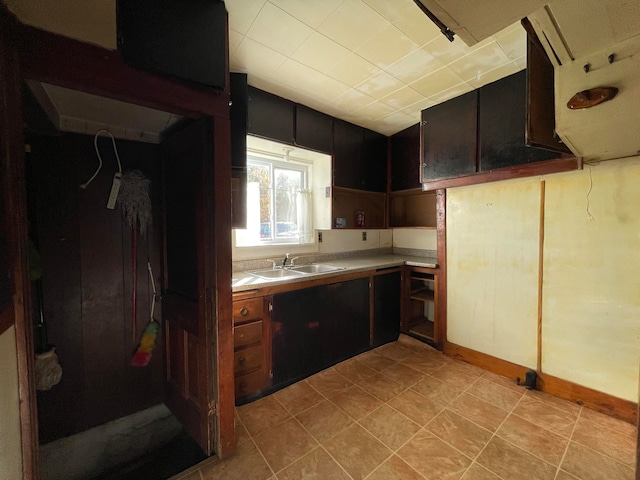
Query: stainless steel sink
point(279, 273)
point(316, 268)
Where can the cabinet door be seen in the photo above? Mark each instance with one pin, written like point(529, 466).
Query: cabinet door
point(373, 168)
point(300, 346)
point(541, 112)
point(238, 117)
point(314, 129)
point(271, 116)
point(502, 125)
point(405, 159)
point(387, 310)
point(347, 154)
point(449, 133)
point(347, 317)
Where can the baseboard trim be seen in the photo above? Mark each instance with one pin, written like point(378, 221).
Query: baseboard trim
point(593, 399)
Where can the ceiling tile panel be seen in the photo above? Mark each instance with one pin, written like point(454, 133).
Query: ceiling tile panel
point(482, 60)
point(380, 85)
point(373, 111)
point(391, 10)
point(395, 122)
point(255, 58)
point(353, 70)
point(402, 98)
point(446, 51)
point(353, 100)
point(278, 30)
point(417, 26)
point(386, 47)
point(451, 92)
point(295, 74)
point(320, 53)
point(311, 13)
point(495, 74)
point(436, 82)
point(414, 66)
point(242, 13)
point(513, 42)
point(234, 40)
point(352, 24)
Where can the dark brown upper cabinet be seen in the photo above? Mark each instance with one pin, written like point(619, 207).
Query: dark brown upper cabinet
point(271, 116)
point(405, 157)
point(359, 158)
point(238, 115)
point(374, 161)
point(347, 154)
point(314, 130)
point(541, 113)
point(449, 138)
point(502, 125)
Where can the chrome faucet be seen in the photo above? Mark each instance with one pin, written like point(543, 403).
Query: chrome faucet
point(284, 260)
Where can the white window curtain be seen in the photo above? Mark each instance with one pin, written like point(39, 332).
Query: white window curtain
point(305, 216)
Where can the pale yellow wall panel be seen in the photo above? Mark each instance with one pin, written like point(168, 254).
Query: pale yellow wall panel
point(591, 288)
point(492, 268)
point(10, 439)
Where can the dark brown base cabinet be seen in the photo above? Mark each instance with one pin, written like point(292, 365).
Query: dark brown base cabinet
point(387, 291)
point(317, 327)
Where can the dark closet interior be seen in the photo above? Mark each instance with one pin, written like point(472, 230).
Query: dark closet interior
point(86, 256)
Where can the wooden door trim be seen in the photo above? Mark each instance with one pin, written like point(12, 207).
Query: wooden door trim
point(14, 190)
point(440, 333)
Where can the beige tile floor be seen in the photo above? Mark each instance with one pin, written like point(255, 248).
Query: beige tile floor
point(405, 411)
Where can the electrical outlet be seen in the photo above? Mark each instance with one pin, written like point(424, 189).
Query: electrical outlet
point(319, 237)
point(364, 236)
point(327, 192)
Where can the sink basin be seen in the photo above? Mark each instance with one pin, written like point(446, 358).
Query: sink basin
point(316, 268)
point(276, 274)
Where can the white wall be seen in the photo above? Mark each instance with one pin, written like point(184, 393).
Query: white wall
point(591, 273)
point(418, 238)
point(10, 439)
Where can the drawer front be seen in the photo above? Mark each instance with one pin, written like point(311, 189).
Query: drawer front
point(245, 310)
point(250, 383)
point(247, 360)
point(249, 334)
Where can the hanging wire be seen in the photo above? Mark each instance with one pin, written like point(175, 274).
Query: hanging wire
point(95, 144)
point(589, 216)
point(153, 286)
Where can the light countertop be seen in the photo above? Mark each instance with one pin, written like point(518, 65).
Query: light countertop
point(242, 281)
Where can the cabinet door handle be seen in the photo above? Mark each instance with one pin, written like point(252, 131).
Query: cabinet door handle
point(242, 361)
point(244, 311)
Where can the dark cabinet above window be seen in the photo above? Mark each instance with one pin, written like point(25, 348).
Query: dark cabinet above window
point(271, 116)
point(314, 130)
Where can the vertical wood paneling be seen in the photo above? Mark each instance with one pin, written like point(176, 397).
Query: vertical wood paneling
point(86, 254)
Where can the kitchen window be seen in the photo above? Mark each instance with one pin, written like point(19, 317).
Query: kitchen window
point(280, 199)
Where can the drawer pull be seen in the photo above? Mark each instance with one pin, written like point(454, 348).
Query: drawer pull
point(244, 311)
point(242, 361)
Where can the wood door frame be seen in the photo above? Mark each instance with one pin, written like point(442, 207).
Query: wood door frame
point(51, 58)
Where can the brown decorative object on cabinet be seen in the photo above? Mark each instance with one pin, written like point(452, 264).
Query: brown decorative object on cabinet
point(251, 345)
